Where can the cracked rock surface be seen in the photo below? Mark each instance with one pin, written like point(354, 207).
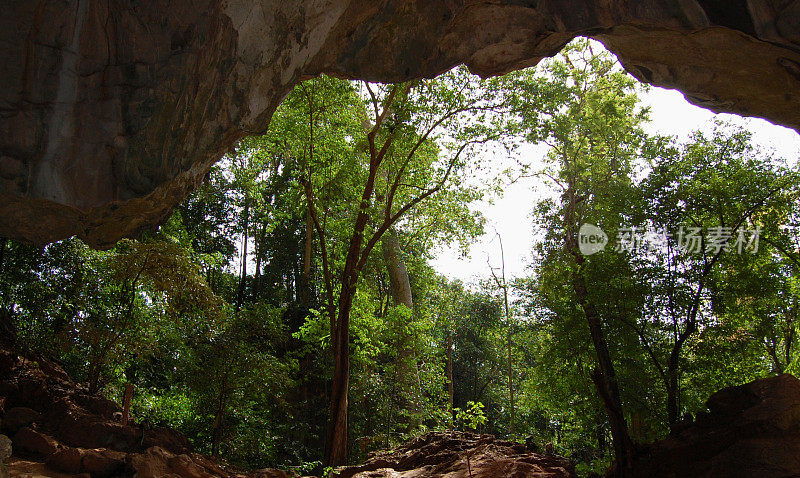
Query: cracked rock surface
point(111, 112)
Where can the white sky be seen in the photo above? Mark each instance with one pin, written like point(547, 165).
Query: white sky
point(510, 215)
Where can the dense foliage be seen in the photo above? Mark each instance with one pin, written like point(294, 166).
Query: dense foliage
point(311, 244)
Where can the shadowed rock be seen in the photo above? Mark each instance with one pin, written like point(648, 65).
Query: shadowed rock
point(112, 112)
point(749, 431)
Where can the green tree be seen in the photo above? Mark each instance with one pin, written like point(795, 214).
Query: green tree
point(710, 196)
point(402, 145)
point(585, 108)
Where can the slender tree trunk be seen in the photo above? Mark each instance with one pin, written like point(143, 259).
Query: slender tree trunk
point(605, 379)
point(600, 430)
point(788, 342)
point(94, 376)
point(327, 275)
point(673, 365)
point(292, 282)
point(216, 434)
point(305, 279)
point(336, 454)
point(259, 254)
point(510, 382)
point(777, 366)
point(501, 282)
point(672, 389)
point(3, 244)
point(673, 362)
point(126, 403)
point(450, 374)
point(243, 274)
point(776, 363)
point(509, 332)
point(672, 396)
point(7, 330)
point(3, 294)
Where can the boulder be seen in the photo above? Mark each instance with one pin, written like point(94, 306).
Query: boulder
point(102, 463)
point(75, 434)
point(29, 442)
point(749, 431)
point(157, 462)
point(167, 438)
point(95, 404)
point(456, 454)
point(18, 417)
point(67, 460)
point(99, 463)
point(33, 390)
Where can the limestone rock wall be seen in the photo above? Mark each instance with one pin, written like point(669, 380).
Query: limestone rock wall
point(112, 111)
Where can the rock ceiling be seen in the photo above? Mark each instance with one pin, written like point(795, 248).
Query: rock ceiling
point(112, 111)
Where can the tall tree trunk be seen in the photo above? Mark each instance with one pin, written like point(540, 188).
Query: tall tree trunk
point(604, 376)
point(672, 392)
point(216, 433)
point(600, 430)
point(243, 273)
point(336, 440)
point(336, 453)
point(3, 294)
point(777, 366)
point(501, 282)
point(789, 337)
point(3, 244)
point(292, 281)
point(396, 267)
point(126, 403)
point(401, 294)
point(336, 449)
point(304, 285)
point(259, 245)
point(7, 330)
point(673, 364)
point(509, 339)
point(450, 375)
point(510, 380)
point(605, 379)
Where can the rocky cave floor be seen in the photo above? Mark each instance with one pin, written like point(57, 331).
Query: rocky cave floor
point(53, 427)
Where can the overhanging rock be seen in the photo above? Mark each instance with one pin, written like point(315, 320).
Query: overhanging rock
point(112, 111)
